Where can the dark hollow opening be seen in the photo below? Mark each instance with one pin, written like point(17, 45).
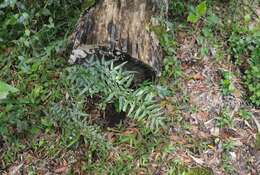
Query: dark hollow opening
point(109, 117)
point(112, 117)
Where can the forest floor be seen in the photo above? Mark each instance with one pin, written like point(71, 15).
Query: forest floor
point(211, 128)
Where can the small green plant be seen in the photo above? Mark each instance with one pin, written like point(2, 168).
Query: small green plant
point(227, 147)
point(172, 68)
point(243, 43)
point(5, 89)
point(224, 119)
point(252, 80)
point(177, 8)
point(226, 164)
point(206, 39)
point(226, 84)
point(244, 47)
point(164, 30)
point(198, 12)
point(177, 168)
point(245, 114)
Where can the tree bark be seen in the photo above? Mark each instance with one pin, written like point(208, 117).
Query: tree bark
point(121, 27)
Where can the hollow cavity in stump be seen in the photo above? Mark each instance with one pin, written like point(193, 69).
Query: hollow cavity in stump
point(109, 117)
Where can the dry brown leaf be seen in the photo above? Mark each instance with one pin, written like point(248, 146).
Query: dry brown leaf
point(62, 168)
point(131, 131)
point(198, 76)
point(203, 116)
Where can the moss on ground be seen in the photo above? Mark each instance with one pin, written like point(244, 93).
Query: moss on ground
point(87, 4)
point(257, 144)
point(200, 171)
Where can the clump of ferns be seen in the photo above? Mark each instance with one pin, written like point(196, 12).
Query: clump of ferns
point(113, 84)
point(70, 118)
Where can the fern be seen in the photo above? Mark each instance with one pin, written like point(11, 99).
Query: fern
point(72, 120)
point(112, 83)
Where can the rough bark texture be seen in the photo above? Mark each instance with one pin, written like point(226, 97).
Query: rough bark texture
point(121, 26)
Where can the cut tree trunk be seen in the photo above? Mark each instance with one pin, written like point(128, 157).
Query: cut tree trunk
point(120, 29)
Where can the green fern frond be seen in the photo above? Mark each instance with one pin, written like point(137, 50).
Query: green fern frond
point(112, 84)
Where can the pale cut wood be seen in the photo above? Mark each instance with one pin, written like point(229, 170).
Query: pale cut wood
point(121, 26)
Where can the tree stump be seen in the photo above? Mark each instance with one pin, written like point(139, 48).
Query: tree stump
point(118, 29)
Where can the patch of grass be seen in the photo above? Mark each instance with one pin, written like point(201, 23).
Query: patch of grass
point(226, 84)
point(5, 89)
point(227, 147)
point(199, 171)
point(245, 114)
point(226, 164)
point(177, 168)
point(224, 119)
point(257, 144)
point(244, 44)
point(198, 12)
point(172, 68)
point(252, 79)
